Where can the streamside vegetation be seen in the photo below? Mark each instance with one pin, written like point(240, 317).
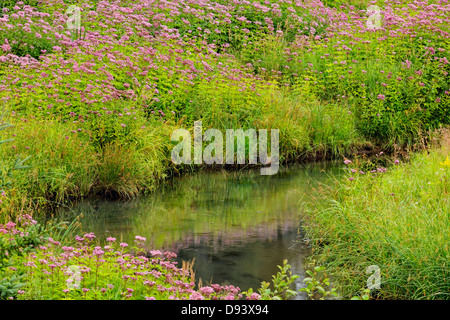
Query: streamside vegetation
point(395, 219)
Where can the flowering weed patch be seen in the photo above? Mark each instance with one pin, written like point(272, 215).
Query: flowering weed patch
point(47, 269)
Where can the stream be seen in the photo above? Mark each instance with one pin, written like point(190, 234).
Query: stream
point(238, 225)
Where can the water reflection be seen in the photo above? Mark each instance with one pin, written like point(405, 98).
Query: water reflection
point(238, 225)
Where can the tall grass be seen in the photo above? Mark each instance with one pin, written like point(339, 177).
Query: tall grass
point(66, 161)
point(398, 220)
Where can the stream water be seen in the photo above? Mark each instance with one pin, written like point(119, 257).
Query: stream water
point(237, 225)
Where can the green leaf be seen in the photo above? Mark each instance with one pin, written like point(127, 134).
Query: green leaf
point(321, 289)
point(319, 268)
point(291, 292)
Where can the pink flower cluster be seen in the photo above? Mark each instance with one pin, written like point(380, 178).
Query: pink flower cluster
point(141, 276)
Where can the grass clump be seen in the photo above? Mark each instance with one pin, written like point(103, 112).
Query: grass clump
point(396, 218)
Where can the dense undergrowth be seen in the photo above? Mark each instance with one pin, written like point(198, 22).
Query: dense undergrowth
point(94, 108)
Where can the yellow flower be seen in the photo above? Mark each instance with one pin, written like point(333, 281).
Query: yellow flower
point(446, 163)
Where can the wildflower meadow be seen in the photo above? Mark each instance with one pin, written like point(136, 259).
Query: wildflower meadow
point(91, 92)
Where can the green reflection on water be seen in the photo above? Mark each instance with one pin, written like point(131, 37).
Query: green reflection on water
point(230, 205)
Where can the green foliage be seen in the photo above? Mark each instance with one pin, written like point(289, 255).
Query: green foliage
point(97, 156)
point(393, 98)
point(27, 43)
point(9, 287)
point(359, 4)
point(365, 295)
point(280, 288)
point(318, 285)
point(6, 173)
